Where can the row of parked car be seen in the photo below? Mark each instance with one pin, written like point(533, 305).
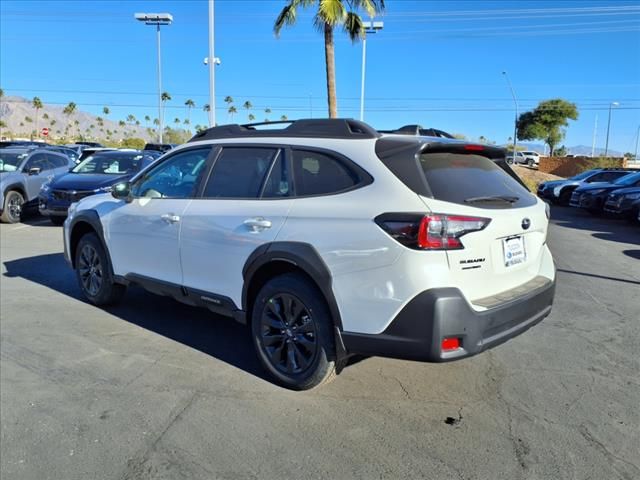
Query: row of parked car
point(52, 177)
point(613, 191)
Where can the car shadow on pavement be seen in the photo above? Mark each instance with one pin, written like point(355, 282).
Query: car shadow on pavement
point(212, 334)
point(632, 253)
point(604, 228)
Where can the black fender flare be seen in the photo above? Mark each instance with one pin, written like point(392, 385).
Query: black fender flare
point(302, 255)
point(92, 218)
point(16, 186)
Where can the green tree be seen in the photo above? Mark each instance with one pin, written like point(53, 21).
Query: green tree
point(164, 98)
point(106, 111)
point(228, 100)
point(331, 14)
point(190, 104)
point(28, 119)
point(69, 110)
point(176, 121)
point(133, 142)
point(121, 123)
point(232, 111)
point(147, 119)
point(206, 107)
point(547, 121)
point(284, 118)
point(251, 117)
point(267, 111)
point(561, 152)
point(247, 106)
point(37, 104)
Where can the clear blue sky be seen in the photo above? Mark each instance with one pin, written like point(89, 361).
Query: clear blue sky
point(435, 63)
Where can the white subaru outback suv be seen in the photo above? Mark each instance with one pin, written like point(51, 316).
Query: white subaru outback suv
point(328, 239)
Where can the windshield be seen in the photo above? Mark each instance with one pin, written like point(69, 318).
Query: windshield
point(628, 180)
point(110, 164)
point(9, 162)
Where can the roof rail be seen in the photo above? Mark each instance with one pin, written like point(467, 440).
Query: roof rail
point(318, 127)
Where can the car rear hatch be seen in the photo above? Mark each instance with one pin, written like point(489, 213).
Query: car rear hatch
point(506, 224)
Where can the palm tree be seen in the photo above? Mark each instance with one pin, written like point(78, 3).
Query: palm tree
point(232, 111)
point(206, 107)
point(69, 110)
point(176, 121)
point(106, 111)
point(247, 105)
point(37, 104)
point(267, 111)
point(228, 100)
point(186, 121)
point(284, 118)
point(77, 124)
point(330, 14)
point(190, 104)
point(147, 119)
point(164, 98)
point(251, 117)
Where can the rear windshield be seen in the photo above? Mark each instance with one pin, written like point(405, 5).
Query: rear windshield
point(472, 180)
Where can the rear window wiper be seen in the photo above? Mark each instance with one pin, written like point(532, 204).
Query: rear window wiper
point(496, 198)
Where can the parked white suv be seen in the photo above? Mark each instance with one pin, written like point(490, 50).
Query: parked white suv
point(328, 240)
point(526, 158)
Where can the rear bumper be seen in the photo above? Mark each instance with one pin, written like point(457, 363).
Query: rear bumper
point(418, 330)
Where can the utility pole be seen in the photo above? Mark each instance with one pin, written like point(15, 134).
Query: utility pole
point(212, 70)
point(515, 123)
point(606, 147)
point(593, 144)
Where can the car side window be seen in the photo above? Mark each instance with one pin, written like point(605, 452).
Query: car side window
point(176, 177)
point(58, 161)
point(39, 160)
point(317, 173)
point(239, 172)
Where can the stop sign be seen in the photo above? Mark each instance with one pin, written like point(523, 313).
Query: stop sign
point(45, 131)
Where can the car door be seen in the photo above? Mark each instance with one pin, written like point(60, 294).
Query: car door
point(244, 204)
point(143, 231)
point(34, 179)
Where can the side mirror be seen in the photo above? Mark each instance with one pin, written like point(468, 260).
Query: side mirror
point(34, 171)
point(121, 190)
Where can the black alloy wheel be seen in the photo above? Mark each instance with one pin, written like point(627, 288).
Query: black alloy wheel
point(90, 269)
point(288, 334)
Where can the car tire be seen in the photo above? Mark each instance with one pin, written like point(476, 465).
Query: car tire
point(93, 272)
point(292, 332)
point(510, 161)
point(56, 220)
point(565, 197)
point(531, 163)
point(13, 202)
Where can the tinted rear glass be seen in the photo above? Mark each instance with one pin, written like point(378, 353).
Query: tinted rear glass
point(467, 179)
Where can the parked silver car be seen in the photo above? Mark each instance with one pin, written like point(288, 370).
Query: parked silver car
point(22, 173)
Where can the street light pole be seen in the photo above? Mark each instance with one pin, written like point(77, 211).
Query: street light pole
point(606, 146)
point(515, 123)
point(160, 112)
point(369, 27)
point(157, 19)
point(593, 144)
point(212, 70)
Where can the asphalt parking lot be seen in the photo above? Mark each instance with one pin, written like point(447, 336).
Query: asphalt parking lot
point(153, 389)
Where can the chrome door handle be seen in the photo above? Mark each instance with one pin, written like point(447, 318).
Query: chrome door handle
point(257, 224)
point(170, 218)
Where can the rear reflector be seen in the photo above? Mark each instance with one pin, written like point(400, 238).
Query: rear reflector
point(449, 344)
point(430, 232)
point(474, 148)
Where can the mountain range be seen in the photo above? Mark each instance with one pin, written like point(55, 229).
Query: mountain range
point(18, 116)
point(15, 110)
